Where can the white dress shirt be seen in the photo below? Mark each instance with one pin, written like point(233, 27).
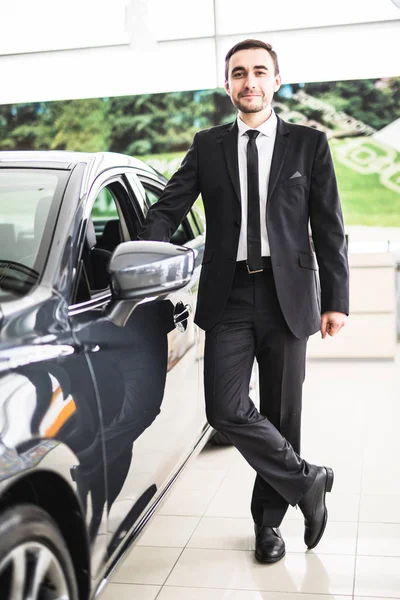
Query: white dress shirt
point(265, 146)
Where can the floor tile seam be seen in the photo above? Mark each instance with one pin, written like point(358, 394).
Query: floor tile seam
point(379, 555)
point(159, 592)
point(177, 516)
point(294, 520)
point(205, 510)
point(170, 570)
point(341, 553)
point(174, 515)
point(173, 546)
point(124, 583)
point(379, 522)
point(374, 597)
point(225, 589)
point(288, 552)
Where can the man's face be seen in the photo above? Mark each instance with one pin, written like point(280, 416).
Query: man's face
point(251, 80)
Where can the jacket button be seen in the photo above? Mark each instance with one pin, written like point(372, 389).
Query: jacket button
point(232, 258)
point(236, 223)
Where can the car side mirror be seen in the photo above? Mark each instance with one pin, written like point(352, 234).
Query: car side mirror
point(145, 270)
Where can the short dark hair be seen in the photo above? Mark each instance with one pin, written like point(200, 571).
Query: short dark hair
point(248, 45)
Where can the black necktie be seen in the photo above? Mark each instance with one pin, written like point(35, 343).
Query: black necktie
point(254, 262)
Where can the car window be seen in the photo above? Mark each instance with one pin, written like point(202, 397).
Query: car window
point(110, 223)
point(29, 204)
point(184, 233)
point(193, 222)
point(104, 212)
point(197, 213)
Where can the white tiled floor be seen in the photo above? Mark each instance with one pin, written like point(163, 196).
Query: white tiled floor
point(200, 544)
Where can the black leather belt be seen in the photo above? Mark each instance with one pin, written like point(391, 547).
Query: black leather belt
point(241, 265)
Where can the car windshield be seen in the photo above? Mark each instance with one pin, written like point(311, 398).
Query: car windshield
point(29, 203)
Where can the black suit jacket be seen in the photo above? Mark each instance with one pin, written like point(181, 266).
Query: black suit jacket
point(211, 168)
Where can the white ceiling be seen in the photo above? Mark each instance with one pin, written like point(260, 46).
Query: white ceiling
point(91, 48)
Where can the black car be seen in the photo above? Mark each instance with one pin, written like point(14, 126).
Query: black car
point(101, 401)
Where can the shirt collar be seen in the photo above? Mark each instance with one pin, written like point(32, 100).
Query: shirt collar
point(267, 128)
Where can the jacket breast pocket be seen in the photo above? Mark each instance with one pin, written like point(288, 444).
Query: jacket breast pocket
point(294, 181)
point(207, 256)
point(307, 261)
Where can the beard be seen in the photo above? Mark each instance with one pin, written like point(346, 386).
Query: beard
point(257, 104)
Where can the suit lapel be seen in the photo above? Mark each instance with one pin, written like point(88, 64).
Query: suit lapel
point(278, 156)
point(230, 144)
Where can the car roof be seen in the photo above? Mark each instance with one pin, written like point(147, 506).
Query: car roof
point(60, 159)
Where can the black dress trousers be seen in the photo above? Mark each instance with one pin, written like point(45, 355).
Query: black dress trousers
point(252, 326)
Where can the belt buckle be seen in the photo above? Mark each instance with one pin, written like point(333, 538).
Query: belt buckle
point(251, 272)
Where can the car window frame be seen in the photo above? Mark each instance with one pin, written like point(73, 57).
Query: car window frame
point(137, 193)
point(152, 182)
point(103, 297)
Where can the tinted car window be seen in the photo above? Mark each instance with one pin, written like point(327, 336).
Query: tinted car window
point(108, 234)
point(111, 222)
point(198, 215)
point(193, 223)
point(29, 203)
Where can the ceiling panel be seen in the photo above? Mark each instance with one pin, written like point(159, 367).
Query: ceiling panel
point(268, 16)
point(181, 19)
point(45, 25)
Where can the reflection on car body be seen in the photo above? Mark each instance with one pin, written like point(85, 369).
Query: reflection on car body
point(100, 387)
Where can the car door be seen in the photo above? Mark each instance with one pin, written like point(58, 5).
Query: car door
point(143, 434)
point(190, 233)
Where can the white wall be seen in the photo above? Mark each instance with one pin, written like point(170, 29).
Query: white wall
point(94, 48)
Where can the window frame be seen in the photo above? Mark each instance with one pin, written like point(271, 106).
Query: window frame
point(113, 176)
point(156, 186)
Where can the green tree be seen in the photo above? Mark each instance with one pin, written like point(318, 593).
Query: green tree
point(154, 123)
point(26, 126)
point(375, 102)
point(82, 125)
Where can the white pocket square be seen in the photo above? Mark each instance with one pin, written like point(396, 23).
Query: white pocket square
point(297, 174)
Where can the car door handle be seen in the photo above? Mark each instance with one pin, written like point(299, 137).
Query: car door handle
point(181, 315)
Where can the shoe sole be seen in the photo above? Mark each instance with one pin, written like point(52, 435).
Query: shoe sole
point(328, 488)
point(268, 561)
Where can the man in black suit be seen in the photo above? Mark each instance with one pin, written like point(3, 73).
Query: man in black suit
point(263, 182)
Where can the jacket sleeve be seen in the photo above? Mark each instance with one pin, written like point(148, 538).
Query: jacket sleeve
point(328, 234)
point(165, 216)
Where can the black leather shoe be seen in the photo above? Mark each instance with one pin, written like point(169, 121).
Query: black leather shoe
point(270, 547)
point(313, 507)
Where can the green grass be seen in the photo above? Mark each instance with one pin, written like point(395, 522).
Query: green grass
point(374, 147)
point(365, 200)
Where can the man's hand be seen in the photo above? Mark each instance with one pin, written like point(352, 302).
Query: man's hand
point(332, 323)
